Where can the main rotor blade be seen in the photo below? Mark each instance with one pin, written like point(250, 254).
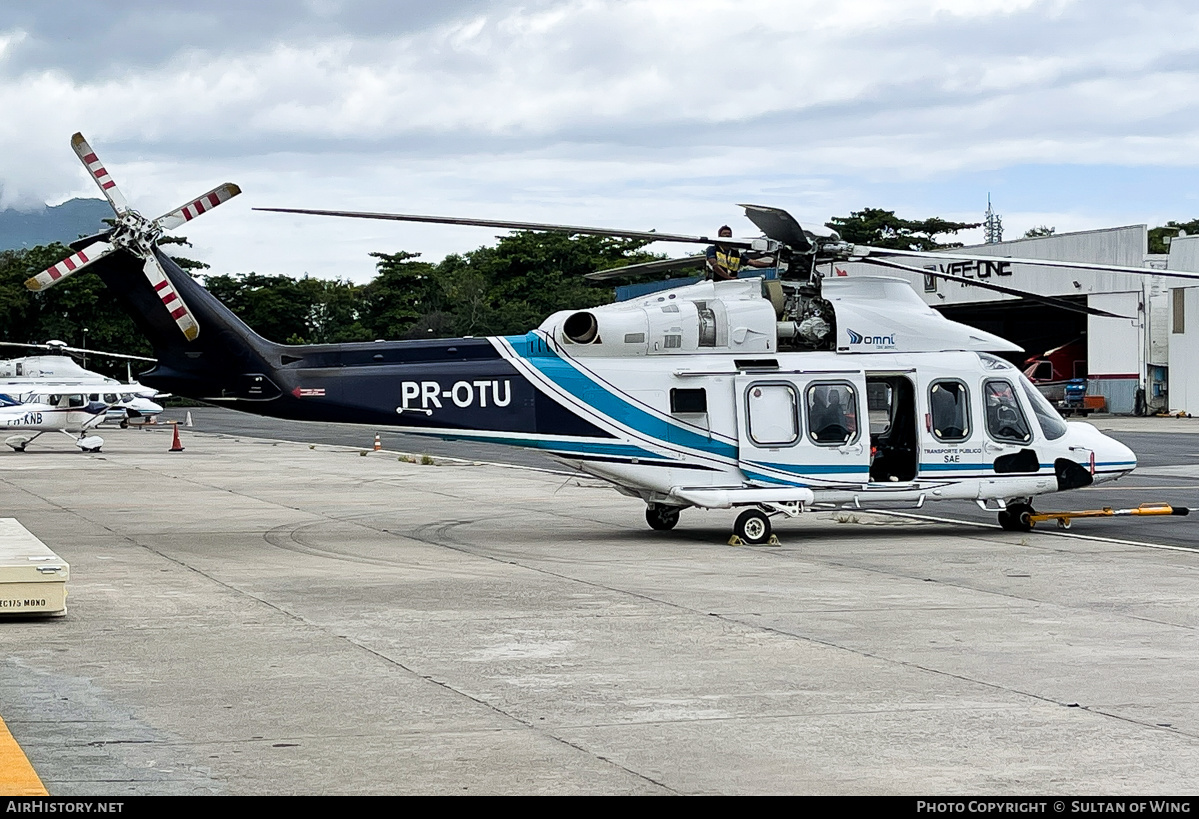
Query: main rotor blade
point(64, 348)
point(216, 196)
point(170, 299)
point(72, 264)
point(1052, 301)
point(648, 235)
point(966, 257)
point(96, 169)
point(779, 225)
point(645, 268)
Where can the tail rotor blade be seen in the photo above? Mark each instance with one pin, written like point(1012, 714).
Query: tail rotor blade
point(98, 173)
point(170, 299)
point(194, 208)
point(71, 264)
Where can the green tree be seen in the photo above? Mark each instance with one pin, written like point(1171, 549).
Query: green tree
point(882, 228)
point(404, 290)
point(1038, 231)
point(1158, 235)
point(509, 288)
point(63, 311)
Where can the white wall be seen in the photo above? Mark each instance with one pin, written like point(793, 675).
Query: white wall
point(1184, 356)
point(1114, 345)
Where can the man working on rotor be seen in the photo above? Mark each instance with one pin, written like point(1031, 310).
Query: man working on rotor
point(725, 261)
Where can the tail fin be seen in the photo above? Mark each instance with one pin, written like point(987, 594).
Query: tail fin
point(228, 361)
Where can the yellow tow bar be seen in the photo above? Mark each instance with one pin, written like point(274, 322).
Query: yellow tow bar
point(1064, 519)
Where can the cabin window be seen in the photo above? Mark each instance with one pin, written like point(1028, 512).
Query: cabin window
point(1005, 419)
point(832, 413)
point(76, 401)
point(688, 400)
point(110, 398)
point(772, 412)
point(949, 409)
point(1048, 419)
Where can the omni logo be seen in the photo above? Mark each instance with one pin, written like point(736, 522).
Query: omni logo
point(875, 341)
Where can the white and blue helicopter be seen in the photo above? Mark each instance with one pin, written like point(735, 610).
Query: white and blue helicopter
point(766, 396)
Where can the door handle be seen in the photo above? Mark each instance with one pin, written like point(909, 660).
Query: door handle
point(990, 447)
point(850, 449)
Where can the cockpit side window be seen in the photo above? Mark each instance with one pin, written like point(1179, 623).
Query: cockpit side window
point(1005, 419)
point(76, 401)
point(949, 406)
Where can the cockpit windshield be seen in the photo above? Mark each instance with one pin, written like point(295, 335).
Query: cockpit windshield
point(1050, 421)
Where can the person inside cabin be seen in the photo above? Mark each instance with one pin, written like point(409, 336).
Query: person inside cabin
point(724, 261)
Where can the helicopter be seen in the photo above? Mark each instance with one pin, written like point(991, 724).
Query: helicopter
point(765, 395)
point(128, 403)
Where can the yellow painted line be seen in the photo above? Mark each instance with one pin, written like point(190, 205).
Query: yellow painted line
point(17, 777)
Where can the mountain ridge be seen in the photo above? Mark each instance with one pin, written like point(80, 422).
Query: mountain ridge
point(59, 223)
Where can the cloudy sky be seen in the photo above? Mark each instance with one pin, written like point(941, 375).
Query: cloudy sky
point(659, 114)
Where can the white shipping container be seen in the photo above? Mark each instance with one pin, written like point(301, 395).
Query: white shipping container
point(33, 580)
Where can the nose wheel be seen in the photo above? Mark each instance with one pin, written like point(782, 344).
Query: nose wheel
point(1017, 517)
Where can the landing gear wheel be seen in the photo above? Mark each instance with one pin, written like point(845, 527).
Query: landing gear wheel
point(125, 424)
point(752, 526)
point(20, 448)
point(1016, 518)
point(661, 518)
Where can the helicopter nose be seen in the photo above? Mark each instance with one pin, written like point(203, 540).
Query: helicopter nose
point(1109, 459)
point(1116, 457)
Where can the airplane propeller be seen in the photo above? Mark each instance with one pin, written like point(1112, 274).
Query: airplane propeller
point(136, 234)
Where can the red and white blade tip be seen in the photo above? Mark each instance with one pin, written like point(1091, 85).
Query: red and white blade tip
point(74, 262)
point(170, 299)
point(205, 203)
point(96, 168)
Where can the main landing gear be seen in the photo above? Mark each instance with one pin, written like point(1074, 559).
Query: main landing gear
point(751, 528)
point(661, 518)
point(1017, 517)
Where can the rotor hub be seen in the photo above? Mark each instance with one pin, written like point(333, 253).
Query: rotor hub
point(133, 231)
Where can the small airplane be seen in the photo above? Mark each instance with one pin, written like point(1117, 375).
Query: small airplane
point(769, 396)
point(128, 403)
point(72, 414)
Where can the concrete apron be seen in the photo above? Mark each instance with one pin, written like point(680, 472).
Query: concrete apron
point(253, 617)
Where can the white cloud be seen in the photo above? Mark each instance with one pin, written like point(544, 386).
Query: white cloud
point(638, 114)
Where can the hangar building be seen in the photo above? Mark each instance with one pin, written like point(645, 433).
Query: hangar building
point(1152, 356)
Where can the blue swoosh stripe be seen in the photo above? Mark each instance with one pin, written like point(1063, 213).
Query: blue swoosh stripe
point(597, 395)
point(813, 469)
point(573, 447)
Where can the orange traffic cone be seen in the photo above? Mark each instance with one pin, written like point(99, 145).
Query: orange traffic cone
point(378, 443)
point(176, 446)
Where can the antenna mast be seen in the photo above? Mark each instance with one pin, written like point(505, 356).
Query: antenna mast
point(992, 225)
